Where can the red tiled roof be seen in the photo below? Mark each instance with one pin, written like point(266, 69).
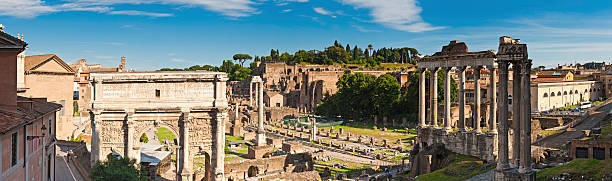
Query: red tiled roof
point(10, 120)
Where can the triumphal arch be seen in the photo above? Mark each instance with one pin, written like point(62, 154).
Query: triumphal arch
point(193, 105)
point(507, 145)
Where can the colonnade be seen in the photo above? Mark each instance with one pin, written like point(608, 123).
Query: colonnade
point(455, 56)
point(433, 113)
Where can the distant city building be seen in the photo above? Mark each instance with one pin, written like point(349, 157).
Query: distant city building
point(81, 80)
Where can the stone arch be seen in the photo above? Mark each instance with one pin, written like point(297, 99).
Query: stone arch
point(145, 127)
point(253, 171)
point(207, 165)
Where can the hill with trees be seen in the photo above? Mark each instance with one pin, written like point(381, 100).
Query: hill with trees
point(340, 54)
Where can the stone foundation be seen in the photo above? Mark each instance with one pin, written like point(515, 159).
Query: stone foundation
point(514, 175)
point(482, 146)
point(256, 152)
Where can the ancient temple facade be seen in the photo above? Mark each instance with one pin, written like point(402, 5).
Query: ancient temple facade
point(494, 144)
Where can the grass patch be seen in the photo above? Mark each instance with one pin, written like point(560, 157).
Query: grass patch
point(349, 167)
point(165, 133)
point(462, 167)
point(230, 138)
point(590, 168)
point(547, 133)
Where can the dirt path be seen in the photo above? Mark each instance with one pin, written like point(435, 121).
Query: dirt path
point(558, 141)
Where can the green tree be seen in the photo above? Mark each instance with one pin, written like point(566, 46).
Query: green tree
point(144, 138)
point(116, 169)
point(242, 58)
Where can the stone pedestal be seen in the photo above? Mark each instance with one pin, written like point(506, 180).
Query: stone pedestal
point(256, 152)
point(514, 175)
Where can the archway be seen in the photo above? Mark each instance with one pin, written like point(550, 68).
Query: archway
point(253, 171)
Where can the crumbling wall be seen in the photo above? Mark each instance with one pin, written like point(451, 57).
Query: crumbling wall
point(284, 164)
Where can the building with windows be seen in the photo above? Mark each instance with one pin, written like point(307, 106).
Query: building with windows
point(50, 77)
point(551, 95)
point(27, 125)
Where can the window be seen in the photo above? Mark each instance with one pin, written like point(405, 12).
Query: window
point(552, 94)
point(571, 92)
point(35, 132)
point(14, 149)
point(545, 95)
point(50, 125)
point(564, 92)
point(157, 93)
point(576, 92)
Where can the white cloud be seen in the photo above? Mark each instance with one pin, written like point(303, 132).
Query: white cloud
point(287, 10)
point(140, 13)
point(24, 8)
point(178, 60)
point(362, 29)
point(401, 15)
point(323, 11)
point(33, 8)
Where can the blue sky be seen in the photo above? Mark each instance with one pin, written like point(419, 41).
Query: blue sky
point(179, 33)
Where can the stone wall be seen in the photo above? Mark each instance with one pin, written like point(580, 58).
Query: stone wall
point(291, 163)
point(275, 114)
point(482, 146)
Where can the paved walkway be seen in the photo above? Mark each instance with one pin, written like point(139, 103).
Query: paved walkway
point(64, 170)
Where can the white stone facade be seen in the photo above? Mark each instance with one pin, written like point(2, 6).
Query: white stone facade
point(551, 95)
point(193, 105)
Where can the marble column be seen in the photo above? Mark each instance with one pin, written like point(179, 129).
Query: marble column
point(257, 88)
point(433, 88)
point(261, 136)
point(184, 160)
point(525, 158)
point(129, 135)
point(219, 146)
point(313, 129)
point(502, 143)
point(516, 94)
point(476, 112)
point(493, 101)
point(251, 94)
point(461, 98)
point(421, 98)
point(447, 98)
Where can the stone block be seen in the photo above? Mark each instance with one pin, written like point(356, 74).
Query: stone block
point(256, 152)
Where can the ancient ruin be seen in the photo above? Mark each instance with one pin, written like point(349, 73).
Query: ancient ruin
point(494, 144)
point(192, 105)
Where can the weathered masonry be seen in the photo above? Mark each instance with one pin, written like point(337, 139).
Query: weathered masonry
point(193, 105)
point(494, 144)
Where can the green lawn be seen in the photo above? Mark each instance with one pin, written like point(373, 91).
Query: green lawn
point(550, 132)
point(350, 167)
point(590, 168)
point(230, 138)
point(163, 133)
point(462, 167)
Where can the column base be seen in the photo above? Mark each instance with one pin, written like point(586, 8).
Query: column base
point(185, 175)
point(513, 175)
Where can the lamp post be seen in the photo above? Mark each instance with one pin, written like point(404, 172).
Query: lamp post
point(30, 138)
